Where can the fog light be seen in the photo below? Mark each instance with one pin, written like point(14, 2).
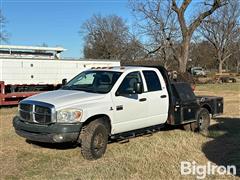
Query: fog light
point(58, 138)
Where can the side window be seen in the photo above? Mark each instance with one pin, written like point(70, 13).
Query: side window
point(127, 85)
point(152, 80)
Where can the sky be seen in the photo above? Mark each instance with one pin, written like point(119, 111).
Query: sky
point(56, 22)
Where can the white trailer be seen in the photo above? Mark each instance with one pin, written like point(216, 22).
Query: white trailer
point(21, 78)
point(40, 71)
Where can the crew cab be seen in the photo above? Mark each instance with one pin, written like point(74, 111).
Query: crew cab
point(104, 103)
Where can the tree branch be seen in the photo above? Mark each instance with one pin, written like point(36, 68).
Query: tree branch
point(180, 12)
point(185, 5)
point(226, 57)
point(174, 6)
point(197, 22)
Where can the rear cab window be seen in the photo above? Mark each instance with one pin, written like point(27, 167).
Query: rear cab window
point(184, 92)
point(152, 80)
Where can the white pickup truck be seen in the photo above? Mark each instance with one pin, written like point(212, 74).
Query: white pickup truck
point(104, 103)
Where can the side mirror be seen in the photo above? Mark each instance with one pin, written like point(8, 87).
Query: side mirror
point(138, 88)
point(64, 81)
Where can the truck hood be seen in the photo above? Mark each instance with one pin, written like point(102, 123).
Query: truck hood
point(65, 98)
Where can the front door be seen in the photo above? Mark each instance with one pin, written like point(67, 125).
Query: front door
point(130, 110)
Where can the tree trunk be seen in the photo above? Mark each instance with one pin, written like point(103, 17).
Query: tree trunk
point(220, 66)
point(238, 64)
point(184, 53)
point(220, 62)
point(166, 65)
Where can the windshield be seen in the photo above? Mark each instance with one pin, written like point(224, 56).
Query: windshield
point(93, 81)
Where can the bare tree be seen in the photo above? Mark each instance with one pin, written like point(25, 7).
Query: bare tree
point(156, 13)
point(157, 24)
point(222, 30)
point(237, 56)
point(201, 54)
point(133, 50)
point(3, 33)
point(233, 63)
point(108, 37)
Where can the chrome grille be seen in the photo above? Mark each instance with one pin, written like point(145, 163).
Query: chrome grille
point(26, 107)
point(38, 112)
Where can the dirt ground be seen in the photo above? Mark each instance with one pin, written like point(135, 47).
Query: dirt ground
point(146, 157)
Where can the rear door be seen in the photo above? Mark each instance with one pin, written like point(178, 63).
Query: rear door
point(157, 97)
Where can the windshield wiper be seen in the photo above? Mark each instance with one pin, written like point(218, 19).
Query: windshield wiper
point(65, 88)
point(82, 89)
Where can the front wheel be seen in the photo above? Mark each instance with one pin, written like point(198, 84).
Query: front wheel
point(94, 139)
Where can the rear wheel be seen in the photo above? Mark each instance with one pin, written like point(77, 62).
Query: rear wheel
point(190, 126)
point(203, 120)
point(187, 127)
point(94, 139)
point(202, 123)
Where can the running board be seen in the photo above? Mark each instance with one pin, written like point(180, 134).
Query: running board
point(138, 132)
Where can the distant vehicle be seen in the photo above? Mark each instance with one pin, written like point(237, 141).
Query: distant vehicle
point(197, 71)
point(110, 103)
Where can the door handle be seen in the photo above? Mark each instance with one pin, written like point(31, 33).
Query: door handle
point(142, 99)
point(119, 108)
point(163, 96)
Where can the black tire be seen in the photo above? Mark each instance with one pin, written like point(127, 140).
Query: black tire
point(203, 121)
point(194, 126)
point(234, 80)
point(186, 127)
point(190, 126)
point(94, 139)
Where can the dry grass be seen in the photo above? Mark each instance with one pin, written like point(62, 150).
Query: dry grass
point(230, 92)
point(154, 157)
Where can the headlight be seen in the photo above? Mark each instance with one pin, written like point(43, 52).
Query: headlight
point(69, 115)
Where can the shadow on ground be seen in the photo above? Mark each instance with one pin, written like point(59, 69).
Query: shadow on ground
point(224, 149)
point(59, 146)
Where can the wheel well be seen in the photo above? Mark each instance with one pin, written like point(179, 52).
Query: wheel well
point(104, 117)
point(208, 108)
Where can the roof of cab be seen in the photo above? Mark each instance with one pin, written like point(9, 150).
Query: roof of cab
point(122, 68)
